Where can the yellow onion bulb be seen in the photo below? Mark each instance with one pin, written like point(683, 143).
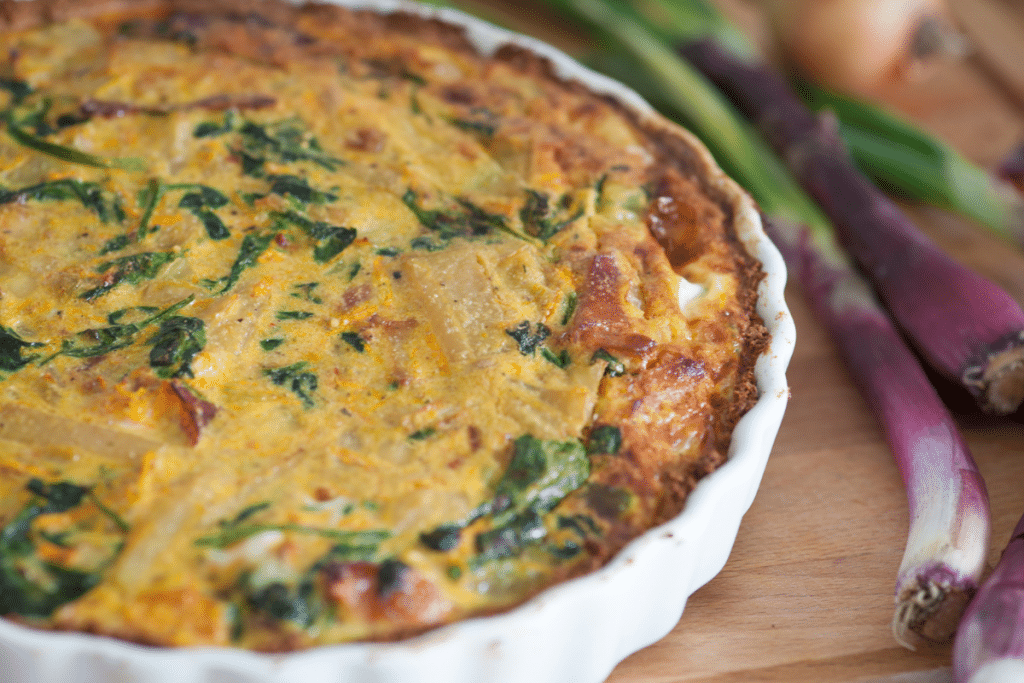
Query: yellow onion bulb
point(861, 46)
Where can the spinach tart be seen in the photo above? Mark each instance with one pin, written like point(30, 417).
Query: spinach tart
point(320, 326)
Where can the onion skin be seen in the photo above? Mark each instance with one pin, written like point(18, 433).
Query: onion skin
point(860, 46)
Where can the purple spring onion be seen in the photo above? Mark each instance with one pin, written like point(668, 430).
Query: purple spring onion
point(989, 645)
point(964, 325)
point(948, 502)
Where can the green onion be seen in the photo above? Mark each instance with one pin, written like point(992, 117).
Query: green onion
point(965, 326)
point(948, 505)
point(909, 162)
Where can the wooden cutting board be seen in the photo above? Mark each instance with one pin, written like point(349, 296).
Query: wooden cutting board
point(807, 593)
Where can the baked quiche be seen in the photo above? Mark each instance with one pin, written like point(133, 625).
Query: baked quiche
point(317, 325)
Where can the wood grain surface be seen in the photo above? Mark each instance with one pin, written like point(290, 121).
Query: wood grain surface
point(807, 594)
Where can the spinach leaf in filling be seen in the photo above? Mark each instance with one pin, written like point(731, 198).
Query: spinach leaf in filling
point(331, 240)
point(569, 307)
point(299, 604)
point(509, 538)
point(464, 219)
point(106, 205)
point(11, 348)
point(304, 290)
point(540, 474)
point(33, 586)
point(201, 202)
point(117, 335)
point(295, 378)
point(354, 340)
point(561, 359)
point(147, 198)
point(615, 367)
point(129, 269)
point(542, 218)
point(71, 155)
point(528, 340)
point(253, 244)
point(177, 341)
point(604, 439)
point(271, 343)
point(284, 141)
point(17, 89)
point(232, 533)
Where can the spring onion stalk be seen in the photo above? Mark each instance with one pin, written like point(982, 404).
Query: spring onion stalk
point(948, 503)
point(909, 162)
point(964, 325)
point(949, 518)
point(989, 645)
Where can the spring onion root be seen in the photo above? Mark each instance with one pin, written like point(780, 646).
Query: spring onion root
point(990, 642)
point(965, 326)
point(930, 596)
